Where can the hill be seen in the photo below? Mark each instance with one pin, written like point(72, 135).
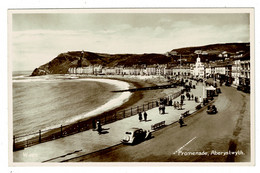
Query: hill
point(61, 63)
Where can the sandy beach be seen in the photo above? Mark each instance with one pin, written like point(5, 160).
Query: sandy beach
point(139, 97)
point(111, 104)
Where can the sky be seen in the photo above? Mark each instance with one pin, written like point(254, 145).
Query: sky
point(37, 38)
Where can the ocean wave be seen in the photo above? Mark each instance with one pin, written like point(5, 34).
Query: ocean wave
point(111, 104)
point(114, 102)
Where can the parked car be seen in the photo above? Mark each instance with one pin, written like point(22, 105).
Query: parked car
point(135, 135)
point(212, 109)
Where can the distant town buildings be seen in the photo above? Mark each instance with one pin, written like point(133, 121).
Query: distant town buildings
point(233, 69)
point(157, 70)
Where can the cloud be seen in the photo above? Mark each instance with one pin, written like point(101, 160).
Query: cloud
point(36, 45)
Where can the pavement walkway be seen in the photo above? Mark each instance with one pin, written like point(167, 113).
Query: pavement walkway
point(90, 141)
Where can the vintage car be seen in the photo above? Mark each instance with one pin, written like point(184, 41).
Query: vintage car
point(212, 109)
point(135, 135)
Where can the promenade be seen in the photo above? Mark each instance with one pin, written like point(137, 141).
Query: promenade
point(90, 141)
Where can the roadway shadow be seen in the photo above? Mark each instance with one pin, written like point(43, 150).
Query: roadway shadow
point(151, 137)
point(148, 120)
point(104, 131)
point(183, 125)
point(165, 113)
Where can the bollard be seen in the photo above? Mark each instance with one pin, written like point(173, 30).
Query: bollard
point(78, 126)
point(40, 140)
point(61, 130)
point(14, 143)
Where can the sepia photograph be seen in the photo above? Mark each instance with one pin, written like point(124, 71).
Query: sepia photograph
point(122, 86)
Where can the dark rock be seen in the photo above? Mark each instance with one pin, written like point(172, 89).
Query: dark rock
point(38, 72)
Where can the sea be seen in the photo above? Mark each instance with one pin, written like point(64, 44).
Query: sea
point(46, 102)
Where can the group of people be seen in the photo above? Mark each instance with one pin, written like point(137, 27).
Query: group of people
point(140, 117)
point(177, 105)
point(198, 100)
point(189, 96)
point(161, 109)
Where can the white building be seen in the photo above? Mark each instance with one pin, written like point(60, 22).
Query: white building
point(245, 69)
point(236, 68)
point(208, 70)
point(198, 69)
point(220, 70)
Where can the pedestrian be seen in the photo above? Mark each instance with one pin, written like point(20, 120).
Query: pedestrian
point(165, 101)
point(177, 105)
point(174, 104)
point(181, 122)
point(157, 103)
point(200, 99)
point(170, 102)
point(181, 102)
point(99, 127)
point(192, 96)
point(163, 109)
point(188, 96)
point(140, 116)
point(145, 116)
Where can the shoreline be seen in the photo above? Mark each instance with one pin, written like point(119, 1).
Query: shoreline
point(132, 98)
point(115, 101)
point(111, 104)
point(136, 98)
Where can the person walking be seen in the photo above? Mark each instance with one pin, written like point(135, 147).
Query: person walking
point(192, 96)
point(170, 102)
point(99, 127)
point(163, 109)
point(181, 122)
point(145, 116)
point(174, 104)
point(181, 102)
point(196, 99)
point(140, 116)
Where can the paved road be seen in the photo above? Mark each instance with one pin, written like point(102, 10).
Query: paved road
point(206, 138)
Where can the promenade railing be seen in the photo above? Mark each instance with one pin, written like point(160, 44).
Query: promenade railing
point(27, 140)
